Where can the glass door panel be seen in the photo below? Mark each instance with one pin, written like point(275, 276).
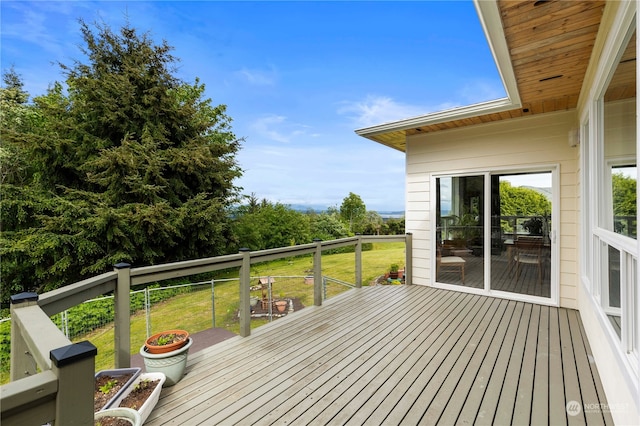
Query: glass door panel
point(520, 233)
point(460, 231)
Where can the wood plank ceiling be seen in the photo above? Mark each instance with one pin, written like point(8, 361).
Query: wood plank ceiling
point(550, 43)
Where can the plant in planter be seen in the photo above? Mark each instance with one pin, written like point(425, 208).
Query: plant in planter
point(281, 305)
point(171, 364)
point(143, 394)
point(533, 226)
point(393, 271)
point(109, 385)
point(166, 341)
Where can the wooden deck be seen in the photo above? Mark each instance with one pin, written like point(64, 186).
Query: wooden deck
point(395, 355)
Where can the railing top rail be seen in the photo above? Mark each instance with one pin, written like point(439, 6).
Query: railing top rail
point(58, 300)
point(146, 274)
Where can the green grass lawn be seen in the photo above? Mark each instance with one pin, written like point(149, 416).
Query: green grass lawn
point(192, 310)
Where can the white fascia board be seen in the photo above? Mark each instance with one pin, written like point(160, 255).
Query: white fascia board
point(475, 110)
point(491, 22)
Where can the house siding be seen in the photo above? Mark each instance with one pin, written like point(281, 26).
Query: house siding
point(540, 140)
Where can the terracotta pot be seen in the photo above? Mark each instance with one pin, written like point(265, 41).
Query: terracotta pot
point(153, 347)
point(281, 305)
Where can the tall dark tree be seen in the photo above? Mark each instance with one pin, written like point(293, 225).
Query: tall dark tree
point(127, 163)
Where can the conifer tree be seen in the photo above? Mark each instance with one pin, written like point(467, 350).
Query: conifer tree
point(126, 163)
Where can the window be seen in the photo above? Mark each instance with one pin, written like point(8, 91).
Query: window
point(610, 200)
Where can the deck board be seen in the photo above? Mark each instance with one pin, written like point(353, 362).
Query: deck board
point(392, 355)
point(540, 400)
point(557, 401)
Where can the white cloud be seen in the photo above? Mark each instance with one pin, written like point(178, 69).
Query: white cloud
point(279, 129)
point(258, 77)
point(32, 29)
point(381, 109)
point(323, 173)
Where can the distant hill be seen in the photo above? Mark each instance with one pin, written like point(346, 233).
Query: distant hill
point(544, 191)
point(319, 209)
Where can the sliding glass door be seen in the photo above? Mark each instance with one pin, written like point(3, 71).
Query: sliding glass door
point(460, 230)
point(521, 237)
point(493, 232)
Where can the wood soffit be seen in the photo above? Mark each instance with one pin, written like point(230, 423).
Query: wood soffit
point(550, 44)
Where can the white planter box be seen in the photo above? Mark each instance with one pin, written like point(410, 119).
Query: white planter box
point(117, 373)
point(151, 402)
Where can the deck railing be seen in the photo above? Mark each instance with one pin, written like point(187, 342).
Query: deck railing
point(52, 378)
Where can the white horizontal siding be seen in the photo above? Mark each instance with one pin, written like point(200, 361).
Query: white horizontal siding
point(540, 140)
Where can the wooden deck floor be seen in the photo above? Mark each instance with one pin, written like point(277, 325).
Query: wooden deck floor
point(395, 355)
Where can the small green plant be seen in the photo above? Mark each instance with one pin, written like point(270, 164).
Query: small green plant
point(165, 339)
point(142, 384)
point(106, 388)
point(394, 267)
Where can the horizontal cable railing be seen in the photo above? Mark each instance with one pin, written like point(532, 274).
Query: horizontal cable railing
point(45, 384)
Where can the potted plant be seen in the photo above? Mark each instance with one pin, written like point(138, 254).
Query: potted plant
point(166, 341)
point(143, 394)
point(281, 305)
point(172, 364)
point(533, 225)
point(110, 384)
point(393, 271)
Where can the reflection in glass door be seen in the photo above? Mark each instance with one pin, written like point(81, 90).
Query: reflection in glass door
point(460, 231)
point(520, 233)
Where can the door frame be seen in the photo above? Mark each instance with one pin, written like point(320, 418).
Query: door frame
point(554, 232)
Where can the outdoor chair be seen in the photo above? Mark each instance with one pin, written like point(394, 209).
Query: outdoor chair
point(449, 262)
point(528, 253)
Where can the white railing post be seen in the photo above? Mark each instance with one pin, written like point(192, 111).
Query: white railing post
point(317, 273)
point(245, 284)
point(122, 312)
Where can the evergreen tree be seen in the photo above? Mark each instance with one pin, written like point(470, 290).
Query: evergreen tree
point(126, 163)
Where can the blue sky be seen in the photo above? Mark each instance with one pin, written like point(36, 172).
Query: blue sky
point(297, 78)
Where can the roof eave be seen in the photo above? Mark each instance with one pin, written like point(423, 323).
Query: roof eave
point(489, 107)
point(491, 22)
